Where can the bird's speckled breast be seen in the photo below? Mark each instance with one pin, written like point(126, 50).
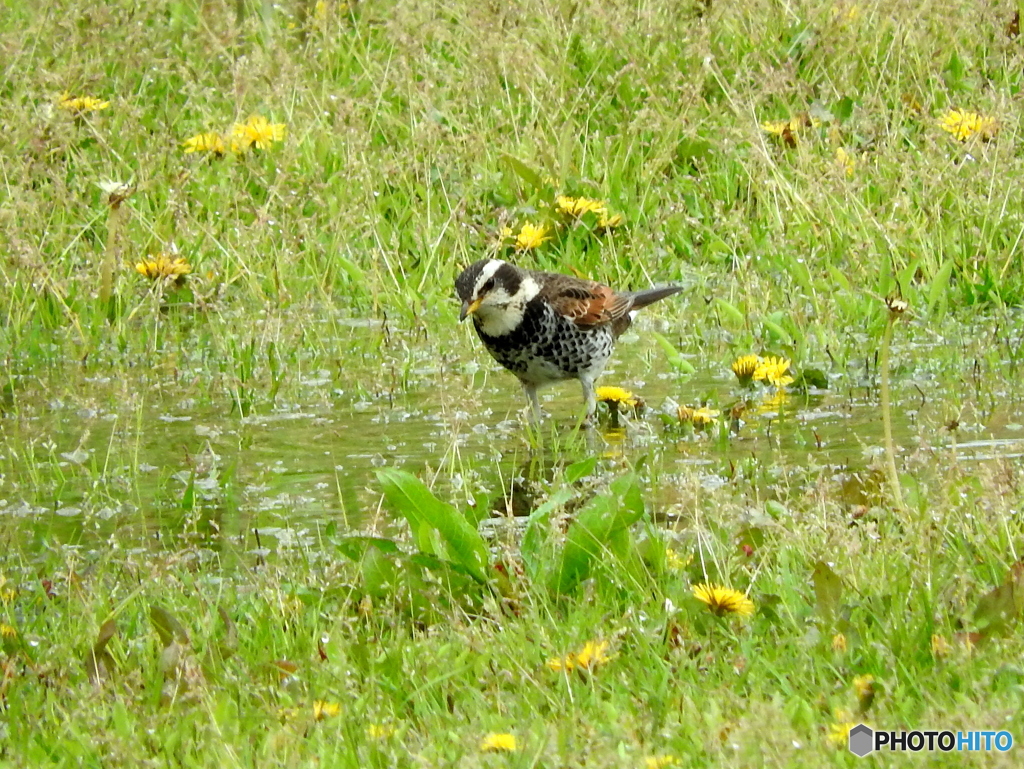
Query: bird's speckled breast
point(549, 348)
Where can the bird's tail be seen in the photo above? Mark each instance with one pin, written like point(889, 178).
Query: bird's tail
point(652, 295)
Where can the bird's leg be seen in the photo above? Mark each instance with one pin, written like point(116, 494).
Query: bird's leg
point(531, 394)
point(588, 395)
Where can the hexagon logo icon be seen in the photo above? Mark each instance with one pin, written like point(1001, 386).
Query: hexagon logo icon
point(862, 740)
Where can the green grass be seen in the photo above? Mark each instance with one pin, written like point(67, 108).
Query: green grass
point(415, 132)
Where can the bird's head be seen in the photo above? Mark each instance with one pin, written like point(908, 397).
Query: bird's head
point(495, 293)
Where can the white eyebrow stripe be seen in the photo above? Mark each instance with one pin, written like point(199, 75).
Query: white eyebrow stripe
point(486, 274)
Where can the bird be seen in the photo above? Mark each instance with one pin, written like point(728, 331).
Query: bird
point(546, 327)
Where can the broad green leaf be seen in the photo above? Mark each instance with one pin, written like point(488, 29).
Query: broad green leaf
point(411, 497)
point(801, 713)
point(800, 273)
point(451, 572)
point(938, 291)
point(579, 470)
point(828, 590)
point(167, 625)
point(751, 537)
point(354, 548)
point(812, 377)
point(907, 275)
point(98, 661)
point(523, 171)
point(586, 539)
point(731, 312)
point(226, 648)
point(1001, 606)
point(601, 527)
point(672, 354)
point(627, 488)
point(537, 527)
point(777, 331)
point(885, 278)
point(843, 109)
point(955, 70)
point(379, 573)
point(188, 499)
point(841, 281)
point(688, 149)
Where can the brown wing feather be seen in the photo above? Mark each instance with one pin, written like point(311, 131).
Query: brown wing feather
point(585, 302)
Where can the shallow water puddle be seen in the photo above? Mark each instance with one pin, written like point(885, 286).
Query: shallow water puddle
point(115, 462)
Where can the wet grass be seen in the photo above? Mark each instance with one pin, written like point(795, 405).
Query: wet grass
point(197, 547)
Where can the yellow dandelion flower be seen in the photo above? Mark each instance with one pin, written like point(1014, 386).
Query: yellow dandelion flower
point(323, 709)
point(864, 683)
point(320, 11)
point(81, 104)
point(531, 235)
point(616, 395)
point(940, 646)
point(773, 370)
point(864, 687)
point(845, 13)
point(839, 643)
point(704, 416)
point(660, 762)
point(579, 206)
point(839, 733)
point(779, 127)
point(380, 731)
point(606, 222)
point(6, 631)
point(845, 161)
point(787, 130)
point(257, 132)
point(205, 142)
point(699, 417)
point(963, 125)
point(674, 561)
point(723, 600)
point(744, 367)
point(498, 742)
point(164, 266)
point(7, 594)
point(590, 657)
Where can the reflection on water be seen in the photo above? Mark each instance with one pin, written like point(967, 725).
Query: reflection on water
point(108, 459)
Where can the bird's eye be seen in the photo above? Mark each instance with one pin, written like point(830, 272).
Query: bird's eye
point(486, 287)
